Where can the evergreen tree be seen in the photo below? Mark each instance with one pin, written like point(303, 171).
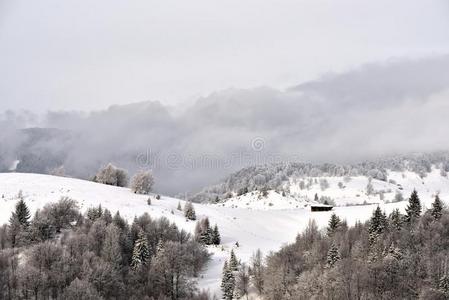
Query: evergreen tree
point(94, 213)
point(19, 221)
point(413, 210)
point(332, 256)
point(203, 232)
point(107, 216)
point(141, 252)
point(205, 235)
point(378, 222)
point(179, 206)
point(396, 219)
point(21, 213)
point(216, 239)
point(334, 223)
point(437, 207)
point(233, 262)
point(227, 282)
point(189, 211)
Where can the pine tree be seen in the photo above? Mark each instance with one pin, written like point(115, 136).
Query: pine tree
point(334, 223)
point(378, 221)
point(437, 207)
point(227, 282)
point(396, 219)
point(203, 232)
point(332, 256)
point(233, 262)
point(19, 220)
point(179, 206)
point(413, 210)
point(216, 239)
point(205, 235)
point(189, 211)
point(22, 213)
point(141, 252)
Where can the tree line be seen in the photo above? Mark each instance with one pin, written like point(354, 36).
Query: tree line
point(59, 253)
point(395, 256)
point(276, 176)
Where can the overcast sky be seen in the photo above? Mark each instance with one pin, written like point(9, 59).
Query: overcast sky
point(79, 54)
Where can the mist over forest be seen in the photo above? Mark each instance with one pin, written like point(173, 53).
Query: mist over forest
point(399, 106)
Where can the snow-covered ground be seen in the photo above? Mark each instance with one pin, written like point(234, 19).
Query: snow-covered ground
point(252, 222)
point(344, 191)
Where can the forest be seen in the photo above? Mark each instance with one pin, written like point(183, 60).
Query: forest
point(274, 176)
point(399, 256)
point(60, 253)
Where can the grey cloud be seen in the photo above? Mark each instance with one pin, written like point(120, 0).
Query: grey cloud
point(395, 107)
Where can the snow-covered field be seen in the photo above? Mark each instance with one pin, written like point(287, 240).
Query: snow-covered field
point(252, 222)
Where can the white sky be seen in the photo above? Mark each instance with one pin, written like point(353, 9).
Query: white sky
point(84, 54)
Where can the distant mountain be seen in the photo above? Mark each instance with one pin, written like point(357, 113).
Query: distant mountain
point(39, 150)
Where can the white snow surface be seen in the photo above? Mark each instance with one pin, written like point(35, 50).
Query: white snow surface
point(249, 220)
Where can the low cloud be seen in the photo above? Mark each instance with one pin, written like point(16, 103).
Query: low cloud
point(395, 107)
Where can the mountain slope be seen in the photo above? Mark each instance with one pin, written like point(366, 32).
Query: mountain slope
point(366, 182)
point(252, 228)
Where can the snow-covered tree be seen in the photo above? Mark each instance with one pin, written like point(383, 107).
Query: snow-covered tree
point(437, 207)
point(19, 220)
point(242, 282)
point(203, 232)
point(378, 221)
point(111, 175)
point(413, 210)
point(142, 182)
point(227, 282)
point(334, 223)
point(21, 212)
point(377, 224)
point(257, 271)
point(396, 219)
point(216, 238)
point(111, 246)
point(233, 262)
point(189, 211)
point(333, 256)
point(141, 252)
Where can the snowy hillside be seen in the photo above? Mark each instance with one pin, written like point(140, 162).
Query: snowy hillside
point(344, 191)
point(252, 225)
point(302, 180)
